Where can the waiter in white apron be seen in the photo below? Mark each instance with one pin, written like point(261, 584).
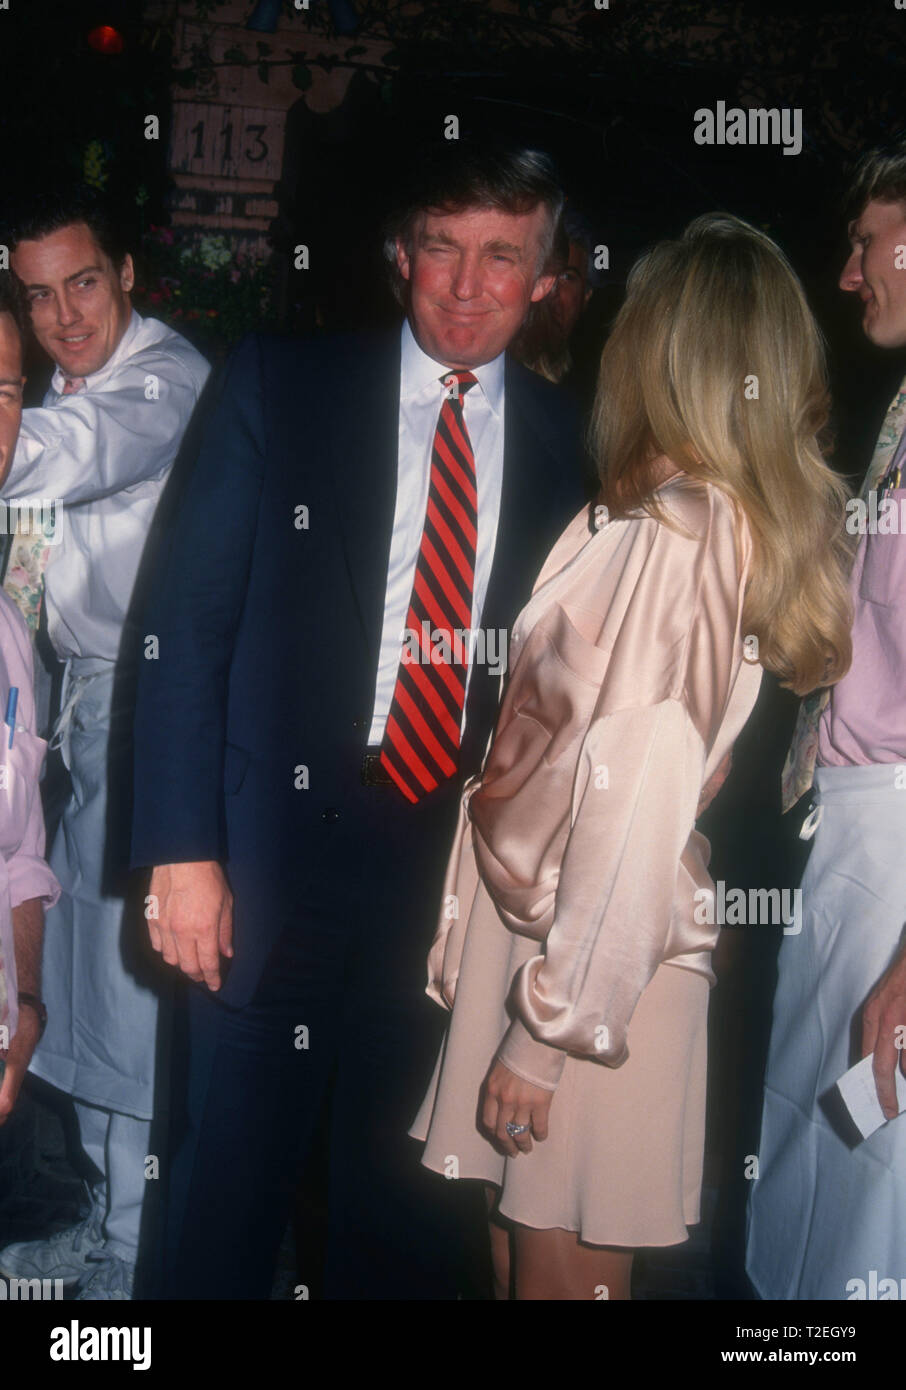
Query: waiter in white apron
point(100, 449)
point(824, 1211)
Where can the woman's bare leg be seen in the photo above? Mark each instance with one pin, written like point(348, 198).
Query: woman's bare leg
point(500, 1248)
point(554, 1264)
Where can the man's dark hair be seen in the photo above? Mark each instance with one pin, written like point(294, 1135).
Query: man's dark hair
point(35, 215)
point(879, 174)
point(12, 300)
point(455, 175)
point(579, 230)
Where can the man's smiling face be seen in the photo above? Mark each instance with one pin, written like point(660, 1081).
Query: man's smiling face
point(79, 301)
point(472, 276)
point(878, 240)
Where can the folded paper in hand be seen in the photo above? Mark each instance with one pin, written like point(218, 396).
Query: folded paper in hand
point(857, 1087)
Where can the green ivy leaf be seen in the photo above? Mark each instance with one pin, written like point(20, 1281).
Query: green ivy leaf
point(392, 56)
point(356, 51)
point(302, 78)
point(264, 72)
point(236, 55)
point(263, 49)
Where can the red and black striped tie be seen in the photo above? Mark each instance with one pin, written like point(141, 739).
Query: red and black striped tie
point(420, 749)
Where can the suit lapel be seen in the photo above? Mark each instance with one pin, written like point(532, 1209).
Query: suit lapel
point(532, 512)
point(364, 450)
point(527, 486)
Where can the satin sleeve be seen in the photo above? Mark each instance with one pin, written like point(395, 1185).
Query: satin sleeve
point(639, 776)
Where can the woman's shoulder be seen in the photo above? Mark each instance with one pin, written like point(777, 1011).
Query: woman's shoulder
point(697, 502)
point(703, 516)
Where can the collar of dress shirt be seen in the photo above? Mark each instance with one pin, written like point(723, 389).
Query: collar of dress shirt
point(119, 354)
point(418, 370)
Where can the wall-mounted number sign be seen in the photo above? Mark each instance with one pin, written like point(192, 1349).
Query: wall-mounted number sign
point(230, 141)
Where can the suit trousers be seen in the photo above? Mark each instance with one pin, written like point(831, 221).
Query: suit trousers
point(341, 1000)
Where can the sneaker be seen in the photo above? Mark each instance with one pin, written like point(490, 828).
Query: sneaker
point(64, 1256)
point(107, 1277)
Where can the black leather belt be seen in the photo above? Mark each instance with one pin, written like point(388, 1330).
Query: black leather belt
point(374, 774)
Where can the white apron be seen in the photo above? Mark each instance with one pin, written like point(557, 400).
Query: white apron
point(101, 1029)
point(820, 1213)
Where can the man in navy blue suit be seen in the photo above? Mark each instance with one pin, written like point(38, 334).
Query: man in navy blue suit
point(298, 767)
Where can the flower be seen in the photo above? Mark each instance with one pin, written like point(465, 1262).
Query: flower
point(205, 284)
point(214, 252)
point(93, 162)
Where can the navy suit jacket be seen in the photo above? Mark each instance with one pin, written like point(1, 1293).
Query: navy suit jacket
point(253, 718)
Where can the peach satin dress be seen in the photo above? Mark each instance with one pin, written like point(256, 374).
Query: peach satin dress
point(567, 944)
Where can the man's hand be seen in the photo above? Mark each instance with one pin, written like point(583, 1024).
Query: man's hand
point(194, 925)
point(21, 1048)
point(883, 1014)
point(505, 1096)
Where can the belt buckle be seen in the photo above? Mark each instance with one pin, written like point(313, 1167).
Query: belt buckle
point(374, 774)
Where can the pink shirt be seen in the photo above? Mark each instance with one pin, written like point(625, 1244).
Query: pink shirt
point(23, 871)
point(865, 721)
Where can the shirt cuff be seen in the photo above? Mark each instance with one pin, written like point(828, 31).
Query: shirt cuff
point(534, 1061)
point(30, 877)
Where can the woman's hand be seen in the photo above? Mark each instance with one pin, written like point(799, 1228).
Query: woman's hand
point(713, 785)
point(506, 1097)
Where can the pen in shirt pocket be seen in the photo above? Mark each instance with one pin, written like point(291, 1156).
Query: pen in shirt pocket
point(10, 718)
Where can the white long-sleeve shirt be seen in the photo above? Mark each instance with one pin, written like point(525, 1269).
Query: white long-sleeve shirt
point(105, 452)
point(421, 396)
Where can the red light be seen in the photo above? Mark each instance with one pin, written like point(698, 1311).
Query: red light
point(106, 39)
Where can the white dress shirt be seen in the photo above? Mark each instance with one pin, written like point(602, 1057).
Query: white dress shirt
point(421, 396)
point(105, 452)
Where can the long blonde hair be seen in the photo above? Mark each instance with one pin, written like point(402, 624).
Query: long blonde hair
point(716, 361)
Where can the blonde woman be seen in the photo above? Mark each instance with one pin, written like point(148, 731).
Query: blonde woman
point(574, 942)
